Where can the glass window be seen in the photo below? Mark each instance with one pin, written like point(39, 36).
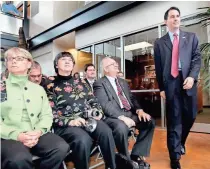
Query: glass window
point(88, 50)
point(111, 49)
point(84, 57)
point(164, 30)
point(139, 61)
point(203, 95)
point(151, 103)
point(199, 30)
point(140, 71)
point(99, 49)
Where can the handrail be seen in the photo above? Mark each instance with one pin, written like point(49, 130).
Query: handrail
point(14, 16)
point(104, 9)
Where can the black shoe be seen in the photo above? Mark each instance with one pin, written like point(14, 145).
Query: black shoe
point(183, 150)
point(175, 164)
point(143, 164)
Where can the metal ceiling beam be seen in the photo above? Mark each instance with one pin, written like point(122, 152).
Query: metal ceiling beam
point(85, 18)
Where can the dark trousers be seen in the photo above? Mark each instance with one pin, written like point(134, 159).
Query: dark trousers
point(181, 111)
point(144, 139)
point(51, 148)
point(81, 141)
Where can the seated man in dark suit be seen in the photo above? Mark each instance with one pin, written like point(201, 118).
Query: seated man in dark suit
point(90, 75)
point(122, 112)
point(36, 76)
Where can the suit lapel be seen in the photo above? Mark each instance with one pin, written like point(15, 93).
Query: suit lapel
point(88, 83)
point(168, 42)
point(111, 89)
point(182, 42)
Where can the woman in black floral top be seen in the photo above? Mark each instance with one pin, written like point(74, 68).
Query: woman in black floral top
point(70, 99)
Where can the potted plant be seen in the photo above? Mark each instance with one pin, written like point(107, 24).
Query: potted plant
point(205, 50)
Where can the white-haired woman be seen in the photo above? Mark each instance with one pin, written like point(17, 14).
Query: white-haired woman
point(26, 119)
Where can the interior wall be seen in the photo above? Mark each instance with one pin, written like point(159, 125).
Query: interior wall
point(63, 9)
point(50, 13)
point(43, 19)
point(140, 17)
point(44, 55)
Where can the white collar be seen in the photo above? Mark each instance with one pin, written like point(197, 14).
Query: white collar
point(91, 80)
point(111, 78)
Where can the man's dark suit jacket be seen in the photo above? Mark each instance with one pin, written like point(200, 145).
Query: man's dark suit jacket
point(88, 84)
point(108, 99)
point(190, 58)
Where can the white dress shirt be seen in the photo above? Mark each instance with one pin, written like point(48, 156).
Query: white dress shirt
point(113, 83)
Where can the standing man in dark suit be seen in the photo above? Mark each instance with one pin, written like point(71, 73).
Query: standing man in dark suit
point(177, 64)
point(122, 112)
point(90, 73)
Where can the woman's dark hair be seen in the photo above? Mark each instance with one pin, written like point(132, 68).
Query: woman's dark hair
point(76, 73)
point(171, 8)
point(60, 55)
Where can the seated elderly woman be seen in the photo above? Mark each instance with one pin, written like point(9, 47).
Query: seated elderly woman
point(71, 101)
point(26, 119)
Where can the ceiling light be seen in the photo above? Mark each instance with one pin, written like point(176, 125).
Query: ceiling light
point(137, 46)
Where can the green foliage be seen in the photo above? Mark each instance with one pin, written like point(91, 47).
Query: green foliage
point(205, 50)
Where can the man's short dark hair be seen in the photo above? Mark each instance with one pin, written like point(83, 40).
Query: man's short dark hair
point(171, 8)
point(88, 65)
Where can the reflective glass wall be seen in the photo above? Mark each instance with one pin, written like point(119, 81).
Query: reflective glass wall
point(135, 56)
point(111, 49)
point(140, 70)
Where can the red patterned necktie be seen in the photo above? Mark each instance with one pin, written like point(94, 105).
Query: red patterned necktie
point(175, 56)
point(123, 99)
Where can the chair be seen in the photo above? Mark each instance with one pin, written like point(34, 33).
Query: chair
point(99, 155)
point(132, 134)
point(34, 158)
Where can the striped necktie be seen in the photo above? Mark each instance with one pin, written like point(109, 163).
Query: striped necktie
point(123, 99)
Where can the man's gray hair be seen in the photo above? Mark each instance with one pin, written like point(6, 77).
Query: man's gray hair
point(35, 65)
point(103, 64)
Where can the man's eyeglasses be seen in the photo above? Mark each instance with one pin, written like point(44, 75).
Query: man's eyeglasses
point(113, 64)
point(18, 59)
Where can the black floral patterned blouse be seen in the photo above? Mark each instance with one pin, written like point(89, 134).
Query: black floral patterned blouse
point(70, 98)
